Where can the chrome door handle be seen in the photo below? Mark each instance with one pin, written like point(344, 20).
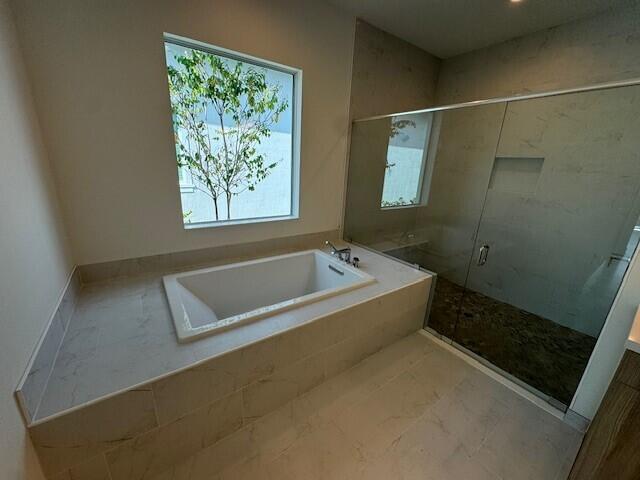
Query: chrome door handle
point(482, 258)
point(618, 258)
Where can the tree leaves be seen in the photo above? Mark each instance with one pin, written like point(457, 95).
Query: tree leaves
point(225, 161)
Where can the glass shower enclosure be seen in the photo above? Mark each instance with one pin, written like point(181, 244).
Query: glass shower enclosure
point(525, 209)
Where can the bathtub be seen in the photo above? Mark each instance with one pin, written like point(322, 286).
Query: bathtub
point(203, 302)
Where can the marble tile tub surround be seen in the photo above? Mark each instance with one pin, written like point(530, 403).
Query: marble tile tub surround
point(122, 335)
point(32, 386)
point(167, 262)
point(236, 377)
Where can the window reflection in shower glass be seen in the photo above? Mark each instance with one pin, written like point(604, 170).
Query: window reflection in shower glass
point(406, 160)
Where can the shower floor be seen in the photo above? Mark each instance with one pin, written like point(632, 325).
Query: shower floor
point(545, 355)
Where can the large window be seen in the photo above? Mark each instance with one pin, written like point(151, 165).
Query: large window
point(406, 160)
point(236, 131)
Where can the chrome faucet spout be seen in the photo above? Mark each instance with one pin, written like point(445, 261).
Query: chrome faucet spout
point(343, 254)
point(331, 246)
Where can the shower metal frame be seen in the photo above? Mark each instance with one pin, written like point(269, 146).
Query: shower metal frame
point(513, 98)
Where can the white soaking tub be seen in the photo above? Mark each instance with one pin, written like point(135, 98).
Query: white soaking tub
point(210, 300)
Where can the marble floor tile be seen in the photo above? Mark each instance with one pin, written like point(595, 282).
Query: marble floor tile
point(377, 422)
point(326, 453)
point(528, 444)
point(412, 411)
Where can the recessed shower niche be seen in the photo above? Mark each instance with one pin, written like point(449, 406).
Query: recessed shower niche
point(517, 175)
point(529, 225)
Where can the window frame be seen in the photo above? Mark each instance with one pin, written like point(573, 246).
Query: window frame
point(296, 128)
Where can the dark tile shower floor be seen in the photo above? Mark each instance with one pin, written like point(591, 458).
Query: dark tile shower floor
point(547, 356)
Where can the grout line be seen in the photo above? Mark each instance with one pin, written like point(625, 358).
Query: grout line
point(155, 404)
point(522, 392)
point(378, 387)
point(76, 296)
point(45, 330)
point(242, 415)
point(106, 462)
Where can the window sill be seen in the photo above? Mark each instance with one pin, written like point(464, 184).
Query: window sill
point(228, 223)
point(400, 207)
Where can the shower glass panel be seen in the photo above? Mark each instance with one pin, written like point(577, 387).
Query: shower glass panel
point(556, 233)
point(527, 211)
point(438, 230)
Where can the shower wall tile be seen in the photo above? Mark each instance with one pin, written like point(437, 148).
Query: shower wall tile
point(35, 382)
point(547, 60)
point(71, 439)
point(584, 196)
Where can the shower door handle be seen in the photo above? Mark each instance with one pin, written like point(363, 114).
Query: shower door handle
point(482, 258)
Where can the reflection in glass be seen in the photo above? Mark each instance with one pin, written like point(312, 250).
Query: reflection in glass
point(406, 160)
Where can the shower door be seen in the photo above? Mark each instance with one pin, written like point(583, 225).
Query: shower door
point(438, 230)
point(557, 230)
point(527, 212)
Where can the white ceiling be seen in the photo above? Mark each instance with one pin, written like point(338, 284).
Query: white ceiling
point(447, 28)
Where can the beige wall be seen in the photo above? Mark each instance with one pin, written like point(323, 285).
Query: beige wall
point(389, 74)
point(599, 49)
point(99, 79)
point(34, 263)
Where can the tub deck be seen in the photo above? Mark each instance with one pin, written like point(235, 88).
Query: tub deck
point(122, 335)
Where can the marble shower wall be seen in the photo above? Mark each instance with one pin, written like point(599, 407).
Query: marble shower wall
point(599, 49)
point(551, 239)
point(551, 247)
point(389, 75)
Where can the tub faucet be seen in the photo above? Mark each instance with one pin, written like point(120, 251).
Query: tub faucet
point(343, 254)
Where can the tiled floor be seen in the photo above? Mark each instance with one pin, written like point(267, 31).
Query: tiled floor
point(412, 411)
